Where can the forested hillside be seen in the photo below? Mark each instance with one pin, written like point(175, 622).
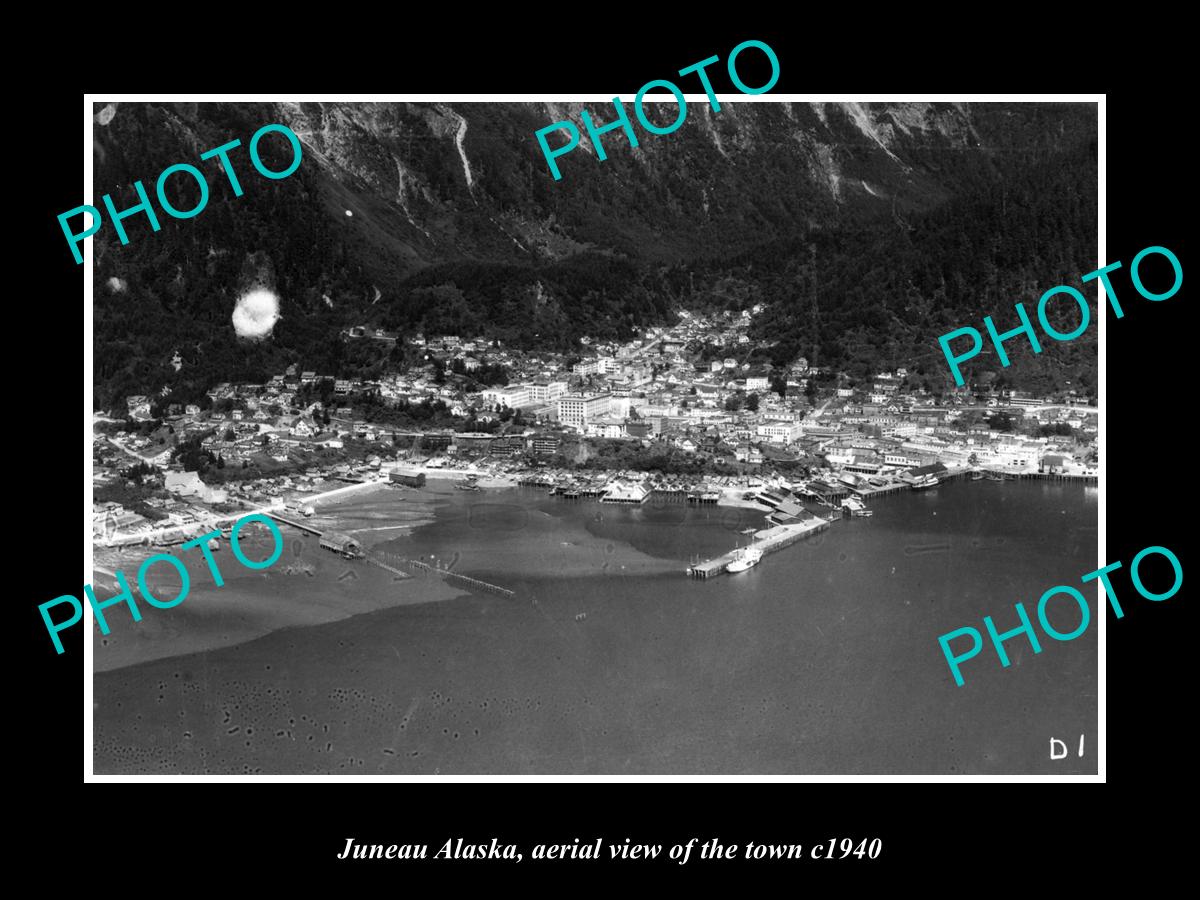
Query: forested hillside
point(869, 229)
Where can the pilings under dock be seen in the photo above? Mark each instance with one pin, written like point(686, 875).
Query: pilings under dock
point(768, 541)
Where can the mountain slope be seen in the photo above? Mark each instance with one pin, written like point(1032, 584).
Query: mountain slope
point(455, 223)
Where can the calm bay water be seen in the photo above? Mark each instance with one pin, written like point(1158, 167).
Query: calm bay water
point(822, 659)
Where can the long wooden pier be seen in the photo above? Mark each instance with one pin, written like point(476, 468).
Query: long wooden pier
point(370, 557)
point(768, 541)
point(1043, 476)
point(286, 521)
point(390, 562)
point(453, 577)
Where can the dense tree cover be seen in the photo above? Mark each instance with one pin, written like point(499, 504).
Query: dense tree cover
point(546, 306)
point(427, 414)
point(486, 375)
point(139, 472)
point(1056, 429)
point(864, 299)
point(724, 213)
point(192, 457)
point(1001, 422)
point(129, 425)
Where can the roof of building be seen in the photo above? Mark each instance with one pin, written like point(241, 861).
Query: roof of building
point(930, 469)
point(340, 539)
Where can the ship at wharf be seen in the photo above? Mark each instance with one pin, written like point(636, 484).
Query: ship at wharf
point(766, 541)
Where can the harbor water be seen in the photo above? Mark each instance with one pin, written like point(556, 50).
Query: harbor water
point(822, 659)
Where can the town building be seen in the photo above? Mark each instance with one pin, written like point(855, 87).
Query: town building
point(546, 391)
point(781, 432)
point(188, 484)
point(407, 476)
point(511, 396)
point(577, 410)
point(342, 544)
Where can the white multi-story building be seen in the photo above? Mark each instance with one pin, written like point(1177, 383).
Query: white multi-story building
point(577, 410)
point(618, 407)
point(756, 383)
point(546, 391)
point(606, 428)
point(656, 409)
point(780, 432)
point(512, 396)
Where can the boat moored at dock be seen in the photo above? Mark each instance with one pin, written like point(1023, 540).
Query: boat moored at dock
point(746, 558)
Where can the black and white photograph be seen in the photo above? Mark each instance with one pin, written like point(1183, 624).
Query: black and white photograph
point(520, 437)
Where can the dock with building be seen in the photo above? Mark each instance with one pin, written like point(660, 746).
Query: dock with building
point(768, 541)
point(409, 476)
point(349, 547)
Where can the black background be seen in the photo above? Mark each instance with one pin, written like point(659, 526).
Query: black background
point(290, 834)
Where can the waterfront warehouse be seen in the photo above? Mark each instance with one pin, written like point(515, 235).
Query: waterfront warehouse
point(408, 476)
point(341, 543)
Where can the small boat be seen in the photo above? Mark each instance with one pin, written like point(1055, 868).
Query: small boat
point(977, 476)
point(924, 484)
point(746, 559)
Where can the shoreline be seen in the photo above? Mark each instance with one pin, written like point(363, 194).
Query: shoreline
point(305, 586)
point(618, 672)
point(311, 586)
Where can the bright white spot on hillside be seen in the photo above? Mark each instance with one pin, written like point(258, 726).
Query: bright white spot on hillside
point(256, 313)
point(116, 285)
point(349, 213)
